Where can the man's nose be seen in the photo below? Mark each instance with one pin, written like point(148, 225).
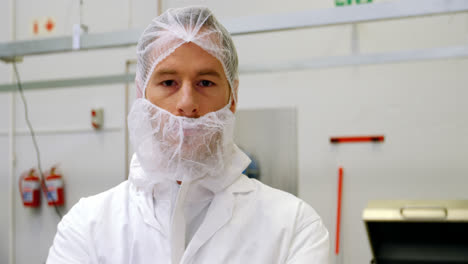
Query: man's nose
point(187, 104)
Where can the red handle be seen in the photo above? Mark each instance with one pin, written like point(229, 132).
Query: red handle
point(338, 214)
point(357, 139)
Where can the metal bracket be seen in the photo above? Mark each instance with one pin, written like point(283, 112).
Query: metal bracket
point(72, 82)
point(12, 59)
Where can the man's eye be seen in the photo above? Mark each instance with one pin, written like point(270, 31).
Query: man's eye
point(168, 83)
point(206, 83)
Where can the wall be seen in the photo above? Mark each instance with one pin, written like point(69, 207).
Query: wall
point(269, 137)
point(418, 106)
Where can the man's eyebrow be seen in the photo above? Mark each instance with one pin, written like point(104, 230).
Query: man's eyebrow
point(165, 71)
point(209, 72)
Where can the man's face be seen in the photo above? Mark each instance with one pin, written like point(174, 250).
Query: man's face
point(189, 82)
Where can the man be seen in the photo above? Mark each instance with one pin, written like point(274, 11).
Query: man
point(186, 200)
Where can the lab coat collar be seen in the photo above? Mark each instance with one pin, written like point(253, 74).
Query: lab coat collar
point(219, 214)
point(238, 164)
point(145, 206)
point(243, 184)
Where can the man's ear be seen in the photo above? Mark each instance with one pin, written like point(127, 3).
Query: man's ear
point(234, 97)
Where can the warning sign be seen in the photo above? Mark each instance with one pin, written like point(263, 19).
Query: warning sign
point(43, 26)
point(35, 27)
point(50, 25)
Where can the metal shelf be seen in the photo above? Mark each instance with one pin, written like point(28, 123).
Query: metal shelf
point(249, 25)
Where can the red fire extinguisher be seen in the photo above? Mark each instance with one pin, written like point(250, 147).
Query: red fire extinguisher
point(30, 189)
point(54, 188)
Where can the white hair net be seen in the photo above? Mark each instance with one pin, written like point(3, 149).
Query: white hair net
point(175, 27)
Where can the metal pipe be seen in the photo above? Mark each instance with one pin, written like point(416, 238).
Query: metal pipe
point(130, 15)
point(12, 161)
point(359, 60)
point(12, 146)
point(128, 63)
point(355, 50)
point(75, 130)
point(73, 82)
point(159, 6)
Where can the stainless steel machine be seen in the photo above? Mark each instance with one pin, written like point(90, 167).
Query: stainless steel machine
point(417, 232)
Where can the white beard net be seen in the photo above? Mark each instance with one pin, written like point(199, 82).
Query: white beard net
point(178, 148)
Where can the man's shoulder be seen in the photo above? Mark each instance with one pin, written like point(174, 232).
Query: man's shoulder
point(118, 192)
point(95, 206)
point(278, 202)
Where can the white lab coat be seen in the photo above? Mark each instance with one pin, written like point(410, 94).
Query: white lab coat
point(247, 222)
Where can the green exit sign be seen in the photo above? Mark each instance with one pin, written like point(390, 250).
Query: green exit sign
point(351, 2)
